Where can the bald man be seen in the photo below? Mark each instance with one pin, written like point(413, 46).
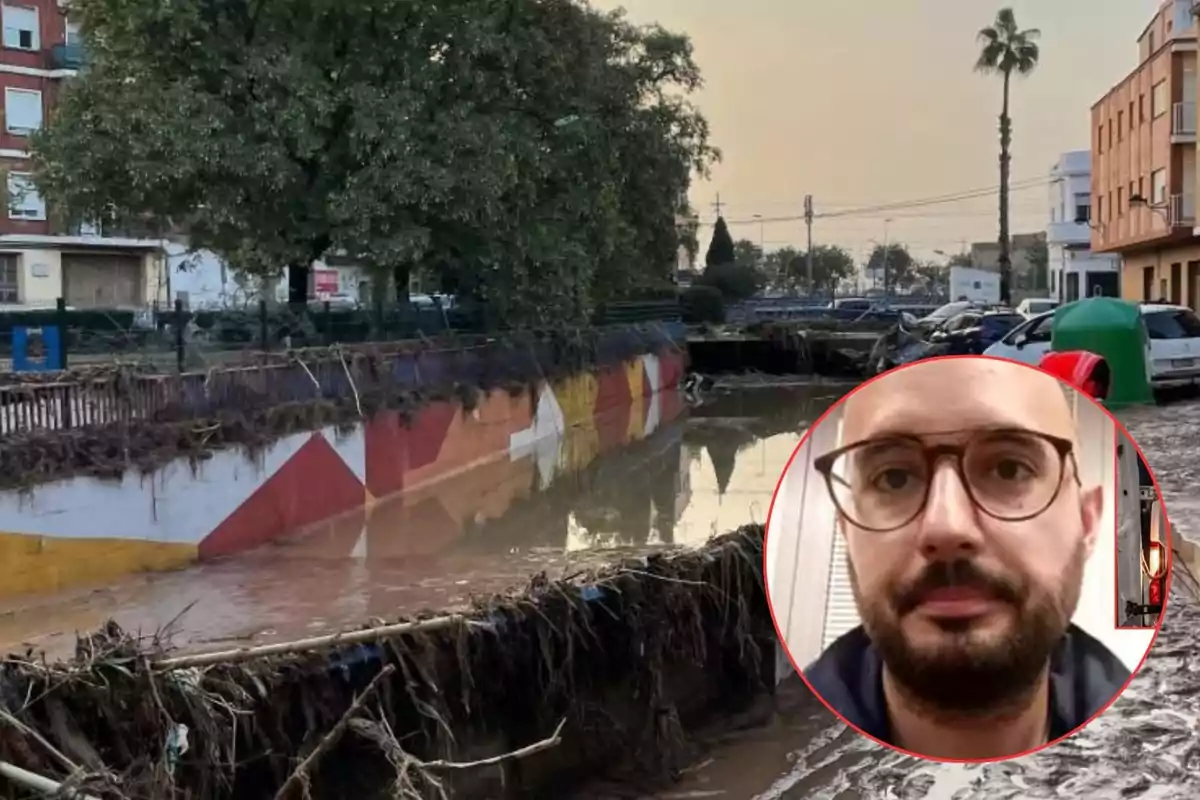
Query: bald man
point(968, 528)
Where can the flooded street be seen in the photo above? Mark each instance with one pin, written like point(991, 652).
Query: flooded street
point(705, 473)
point(1145, 746)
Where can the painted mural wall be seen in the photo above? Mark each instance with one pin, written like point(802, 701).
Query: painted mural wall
point(86, 532)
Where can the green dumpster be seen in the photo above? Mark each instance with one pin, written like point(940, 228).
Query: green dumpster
point(1112, 329)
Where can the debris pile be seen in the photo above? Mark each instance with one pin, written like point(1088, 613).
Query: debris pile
point(110, 420)
point(524, 696)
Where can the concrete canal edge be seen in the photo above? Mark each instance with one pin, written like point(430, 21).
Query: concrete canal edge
point(526, 696)
point(82, 532)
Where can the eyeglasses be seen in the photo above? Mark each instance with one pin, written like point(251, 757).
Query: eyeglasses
point(1009, 474)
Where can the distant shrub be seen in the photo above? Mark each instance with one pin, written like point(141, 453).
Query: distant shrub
point(702, 304)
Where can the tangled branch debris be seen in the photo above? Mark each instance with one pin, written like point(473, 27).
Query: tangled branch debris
point(527, 690)
point(106, 422)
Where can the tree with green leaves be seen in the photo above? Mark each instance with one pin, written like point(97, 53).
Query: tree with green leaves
point(720, 247)
point(1006, 50)
point(1038, 255)
point(747, 254)
point(894, 263)
point(734, 268)
point(533, 154)
point(932, 277)
point(831, 266)
point(779, 269)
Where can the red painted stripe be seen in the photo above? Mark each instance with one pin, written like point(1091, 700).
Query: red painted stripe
point(314, 485)
point(395, 447)
point(611, 412)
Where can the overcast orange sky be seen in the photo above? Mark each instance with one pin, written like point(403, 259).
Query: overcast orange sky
point(866, 102)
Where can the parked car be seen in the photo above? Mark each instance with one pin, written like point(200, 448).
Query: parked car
point(940, 316)
point(1032, 306)
point(973, 332)
point(1173, 345)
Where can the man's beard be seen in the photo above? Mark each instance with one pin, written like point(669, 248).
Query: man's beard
point(970, 672)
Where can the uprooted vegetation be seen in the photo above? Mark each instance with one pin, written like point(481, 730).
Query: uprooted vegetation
point(109, 421)
point(532, 692)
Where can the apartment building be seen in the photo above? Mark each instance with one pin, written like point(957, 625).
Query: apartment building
point(40, 258)
point(1143, 198)
point(1075, 271)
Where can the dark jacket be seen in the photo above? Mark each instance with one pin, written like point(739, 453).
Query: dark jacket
point(1084, 677)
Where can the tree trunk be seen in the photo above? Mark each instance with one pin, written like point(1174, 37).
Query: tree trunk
point(298, 285)
point(1005, 143)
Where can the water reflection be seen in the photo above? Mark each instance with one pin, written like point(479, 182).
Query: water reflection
point(601, 491)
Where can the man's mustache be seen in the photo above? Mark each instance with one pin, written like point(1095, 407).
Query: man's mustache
point(951, 574)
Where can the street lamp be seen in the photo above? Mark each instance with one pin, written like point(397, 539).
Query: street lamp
point(1162, 209)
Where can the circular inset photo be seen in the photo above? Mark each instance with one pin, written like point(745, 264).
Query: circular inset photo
point(962, 562)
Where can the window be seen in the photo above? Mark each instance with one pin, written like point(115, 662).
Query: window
point(1120, 126)
point(10, 288)
point(1100, 138)
point(1131, 119)
point(1120, 201)
point(1158, 186)
point(1083, 207)
point(1112, 212)
point(1158, 100)
point(1150, 42)
point(1110, 132)
point(24, 202)
point(72, 35)
point(22, 111)
point(1182, 324)
point(1100, 208)
point(1141, 108)
point(1038, 330)
point(20, 27)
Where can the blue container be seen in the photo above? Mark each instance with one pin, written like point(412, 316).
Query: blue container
point(37, 349)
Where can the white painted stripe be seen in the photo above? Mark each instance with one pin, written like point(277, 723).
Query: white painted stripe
point(16, 239)
point(37, 72)
point(7, 153)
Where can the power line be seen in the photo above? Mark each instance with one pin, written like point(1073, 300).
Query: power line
point(897, 206)
point(844, 205)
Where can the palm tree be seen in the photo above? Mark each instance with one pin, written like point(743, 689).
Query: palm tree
point(1006, 49)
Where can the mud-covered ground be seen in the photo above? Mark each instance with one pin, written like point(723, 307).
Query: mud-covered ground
point(1146, 746)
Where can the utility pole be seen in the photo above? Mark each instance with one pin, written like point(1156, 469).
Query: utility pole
point(886, 251)
point(717, 205)
point(808, 256)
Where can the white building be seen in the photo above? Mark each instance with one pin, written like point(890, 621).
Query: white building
point(1075, 271)
point(203, 281)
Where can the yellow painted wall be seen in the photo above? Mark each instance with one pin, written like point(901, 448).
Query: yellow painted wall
point(39, 276)
point(34, 565)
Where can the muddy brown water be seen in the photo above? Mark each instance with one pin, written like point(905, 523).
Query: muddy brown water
point(710, 472)
point(1144, 746)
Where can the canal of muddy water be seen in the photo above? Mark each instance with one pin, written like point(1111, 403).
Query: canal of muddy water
point(710, 471)
point(706, 473)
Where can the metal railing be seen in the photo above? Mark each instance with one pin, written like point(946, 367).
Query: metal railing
point(1181, 210)
point(1183, 119)
point(65, 401)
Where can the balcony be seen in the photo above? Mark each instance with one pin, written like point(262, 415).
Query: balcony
point(72, 56)
point(1183, 122)
point(1181, 210)
point(1068, 233)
